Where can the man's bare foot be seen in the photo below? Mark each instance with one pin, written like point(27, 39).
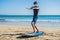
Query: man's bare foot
point(33, 32)
point(37, 31)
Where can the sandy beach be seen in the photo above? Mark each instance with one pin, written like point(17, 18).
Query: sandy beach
point(50, 33)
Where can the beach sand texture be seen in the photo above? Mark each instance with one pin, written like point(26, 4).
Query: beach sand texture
point(50, 33)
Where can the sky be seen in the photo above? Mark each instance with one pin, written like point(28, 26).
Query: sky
point(17, 7)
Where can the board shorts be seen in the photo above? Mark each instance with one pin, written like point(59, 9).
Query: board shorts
point(35, 19)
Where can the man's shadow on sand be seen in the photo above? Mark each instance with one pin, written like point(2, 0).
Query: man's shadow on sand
point(20, 35)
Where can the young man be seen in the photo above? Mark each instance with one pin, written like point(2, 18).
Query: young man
point(35, 16)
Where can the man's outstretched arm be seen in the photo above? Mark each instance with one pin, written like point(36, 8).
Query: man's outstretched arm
point(29, 8)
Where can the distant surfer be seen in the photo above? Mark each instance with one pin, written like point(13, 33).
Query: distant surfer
point(35, 16)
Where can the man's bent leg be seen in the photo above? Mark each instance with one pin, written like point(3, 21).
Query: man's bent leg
point(37, 29)
point(33, 25)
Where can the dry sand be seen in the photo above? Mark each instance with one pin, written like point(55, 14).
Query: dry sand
point(50, 33)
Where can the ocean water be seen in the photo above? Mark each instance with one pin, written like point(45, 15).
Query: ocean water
point(43, 20)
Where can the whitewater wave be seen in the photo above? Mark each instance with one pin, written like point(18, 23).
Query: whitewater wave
point(19, 20)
